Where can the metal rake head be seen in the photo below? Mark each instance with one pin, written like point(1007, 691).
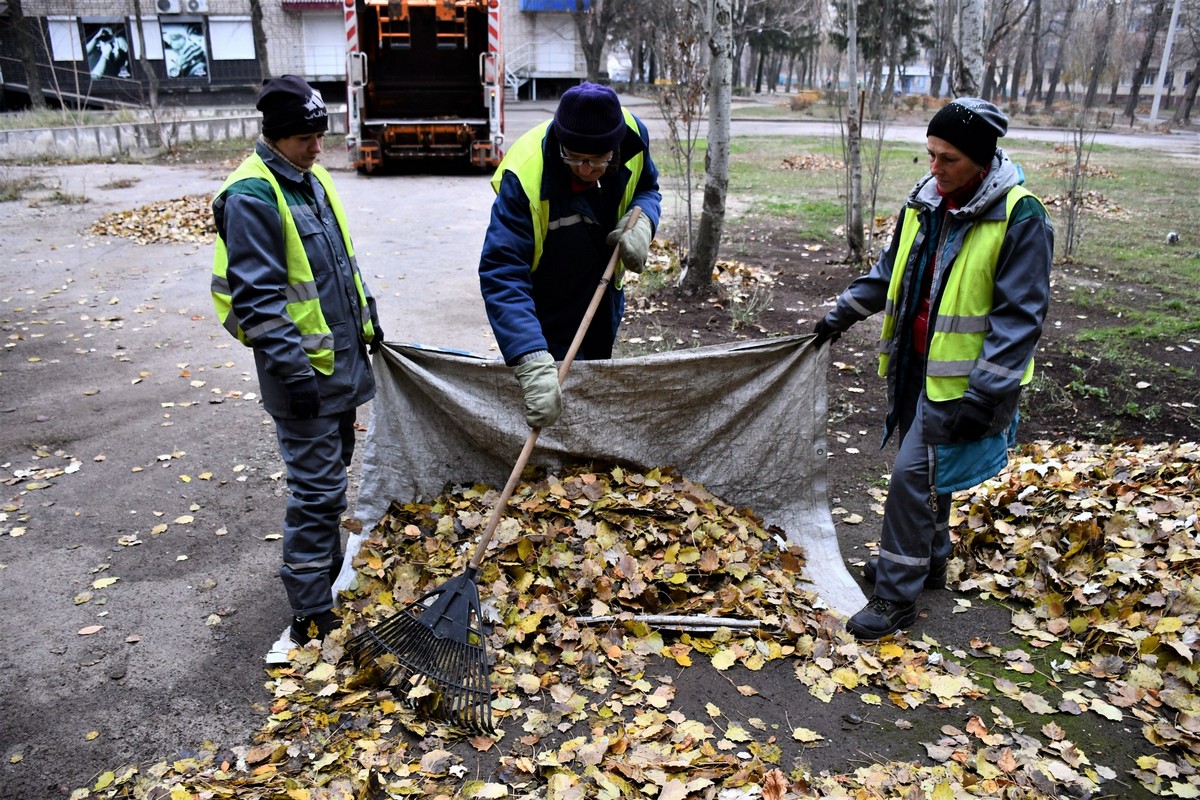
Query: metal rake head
point(437, 642)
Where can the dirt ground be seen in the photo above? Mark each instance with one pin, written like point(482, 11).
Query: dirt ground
point(143, 492)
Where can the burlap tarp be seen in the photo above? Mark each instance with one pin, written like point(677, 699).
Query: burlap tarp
point(745, 420)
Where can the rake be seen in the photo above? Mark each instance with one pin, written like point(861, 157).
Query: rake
point(437, 642)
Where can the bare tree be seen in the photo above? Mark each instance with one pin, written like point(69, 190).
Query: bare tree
point(1183, 111)
point(719, 30)
point(592, 22)
point(144, 60)
point(1060, 58)
point(1004, 17)
point(682, 99)
point(27, 31)
point(943, 44)
point(1100, 62)
point(1154, 23)
point(1035, 56)
point(260, 39)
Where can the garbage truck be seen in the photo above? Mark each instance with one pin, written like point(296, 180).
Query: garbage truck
point(424, 82)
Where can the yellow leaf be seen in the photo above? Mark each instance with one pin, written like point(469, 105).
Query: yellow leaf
point(723, 659)
point(872, 699)
point(91, 735)
point(805, 735)
point(105, 779)
point(184, 519)
point(1168, 625)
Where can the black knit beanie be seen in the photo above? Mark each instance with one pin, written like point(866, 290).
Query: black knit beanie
point(290, 106)
point(972, 125)
point(589, 119)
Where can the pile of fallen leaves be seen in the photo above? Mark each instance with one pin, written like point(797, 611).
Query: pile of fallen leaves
point(185, 219)
point(1101, 545)
point(1090, 201)
point(1061, 169)
point(1107, 535)
point(814, 162)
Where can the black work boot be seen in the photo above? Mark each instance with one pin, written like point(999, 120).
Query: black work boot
point(934, 579)
point(881, 617)
point(318, 626)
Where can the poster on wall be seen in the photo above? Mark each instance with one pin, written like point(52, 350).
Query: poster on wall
point(107, 49)
point(184, 50)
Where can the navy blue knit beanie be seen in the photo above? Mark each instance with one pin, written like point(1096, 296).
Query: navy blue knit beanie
point(589, 120)
point(291, 107)
point(972, 125)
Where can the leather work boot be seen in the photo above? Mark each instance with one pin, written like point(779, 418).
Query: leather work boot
point(881, 617)
point(936, 579)
point(318, 626)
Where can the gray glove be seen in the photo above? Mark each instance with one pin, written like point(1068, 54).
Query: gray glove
point(538, 376)
point(635, 242)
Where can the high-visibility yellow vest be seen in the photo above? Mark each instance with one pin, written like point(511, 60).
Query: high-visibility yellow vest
point(303, 301)
point(961, 321)
point(524, 159)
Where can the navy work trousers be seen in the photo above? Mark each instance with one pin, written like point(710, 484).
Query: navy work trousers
point(316, 453)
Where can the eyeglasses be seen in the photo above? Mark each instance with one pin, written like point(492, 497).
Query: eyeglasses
point(575, 161)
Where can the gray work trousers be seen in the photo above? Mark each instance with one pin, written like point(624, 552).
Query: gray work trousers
point(316, 453)
point(916, 527)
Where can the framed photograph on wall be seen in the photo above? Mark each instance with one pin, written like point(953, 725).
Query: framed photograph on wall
point(184, 49)
point(107, 49)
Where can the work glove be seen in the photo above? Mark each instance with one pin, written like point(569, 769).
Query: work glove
point(377, 341)
point(972, 420)
point(635, 242)
point(825, 333)
point(304, 398)
point(538, 377)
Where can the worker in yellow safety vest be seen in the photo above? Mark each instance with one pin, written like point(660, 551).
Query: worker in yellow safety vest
point(964, 287)
point(564, 193)
point(286, 283)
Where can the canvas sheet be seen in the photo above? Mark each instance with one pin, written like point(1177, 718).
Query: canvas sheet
point(746, 420)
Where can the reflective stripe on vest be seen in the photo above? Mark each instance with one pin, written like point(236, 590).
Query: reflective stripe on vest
point(961, 321)
point(524, 159)
point(303, 304)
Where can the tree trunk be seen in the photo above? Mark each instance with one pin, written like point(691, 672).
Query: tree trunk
point(1035, 57)
point(716, 160)
point(1183, 111)
point(1014, 90)
point(26, 29)
point(144, 63)
point(1101, 61)
point(968, 71)
point(942, 44)
point(1139, 74)
point(592, 25)
point(1061, 58)
point(854, 224)
point(259, 32)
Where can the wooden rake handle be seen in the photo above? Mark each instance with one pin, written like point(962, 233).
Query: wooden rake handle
point(526, 451)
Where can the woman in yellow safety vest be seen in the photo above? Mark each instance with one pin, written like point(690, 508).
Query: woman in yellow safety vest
point(964, 287)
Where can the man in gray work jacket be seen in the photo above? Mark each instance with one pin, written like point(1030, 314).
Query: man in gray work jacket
point(286, 283)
